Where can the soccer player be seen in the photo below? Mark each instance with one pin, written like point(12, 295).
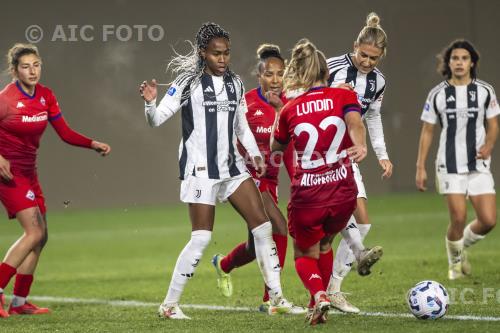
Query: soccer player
point(467, 111)
point(211, 99)
point(264, 103)
point(357, 71)
point(26, 107)
point(325, 127)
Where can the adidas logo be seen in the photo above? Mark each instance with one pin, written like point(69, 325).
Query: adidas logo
point(450, 99)
point(20, 105)
point(258, 113)
point(208, 90)
point(314, 276)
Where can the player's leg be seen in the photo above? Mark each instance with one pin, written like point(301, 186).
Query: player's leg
point(485, 208)
point(457, 208)
point(34, 228)
point(199, 194)
point(247, 200)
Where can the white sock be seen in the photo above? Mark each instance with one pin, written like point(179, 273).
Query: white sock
point(334, 284)
point(18, 301)
point(186, 264)
point(344, 259)
point(454, 250)
point(267, 258)
point(470, 238)
point(363, 230)
point(1, 291)
point(352, 236)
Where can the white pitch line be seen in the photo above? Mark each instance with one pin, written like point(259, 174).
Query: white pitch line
point(231, 308)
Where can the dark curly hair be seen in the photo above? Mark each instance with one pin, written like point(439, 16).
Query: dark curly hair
point(445, 55)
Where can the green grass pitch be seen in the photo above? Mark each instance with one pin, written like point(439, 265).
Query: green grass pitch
point(129, 254)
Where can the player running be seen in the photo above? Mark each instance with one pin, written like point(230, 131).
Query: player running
point(467, 111)
point(211, 99)
point(264, 104)
point(357, 71)
point(325, 127)
point(26, 107)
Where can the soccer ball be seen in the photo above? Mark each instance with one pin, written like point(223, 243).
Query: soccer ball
point(428, 300)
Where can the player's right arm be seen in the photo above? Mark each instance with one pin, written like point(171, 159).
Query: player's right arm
point(169, 105)
point(429, 119)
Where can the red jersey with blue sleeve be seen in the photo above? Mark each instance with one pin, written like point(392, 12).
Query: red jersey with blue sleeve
point(23, 119)
point(261, 116)
point(314, 121)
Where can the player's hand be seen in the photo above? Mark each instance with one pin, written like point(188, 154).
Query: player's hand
point(5, 169)
point(100, 147)
point(148, 91)
point(346, 86)
point(260, 166)
point(484, 151)
point(387, 167)
point(274, 99)
point(421, 179)
point(357, 153)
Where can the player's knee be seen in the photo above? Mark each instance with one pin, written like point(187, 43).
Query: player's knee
point(34, 237)
point(201, 238)
point(489, 221)
point(44, 239)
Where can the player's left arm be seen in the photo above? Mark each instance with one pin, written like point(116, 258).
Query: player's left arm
point(491, 137)
point(70, 136)
point(246, 137)
point(373, 119)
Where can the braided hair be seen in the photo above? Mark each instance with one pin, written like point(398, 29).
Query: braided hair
point(192, 64)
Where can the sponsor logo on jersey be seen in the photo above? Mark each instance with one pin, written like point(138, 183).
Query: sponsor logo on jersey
point(450, 99)
point(314, 106)
point(20, 105)
point(42, 101)
point(171, 91)
point(220, 106)
point(262, 129)
point(30, 195)
point(311, 179)
point(208, 90)
point(35, 118)
point(258, 113)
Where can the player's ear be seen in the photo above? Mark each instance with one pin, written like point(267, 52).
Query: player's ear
point(203, 54)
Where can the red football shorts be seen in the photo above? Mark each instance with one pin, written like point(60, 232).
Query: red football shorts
point(20, 193)
point(309, 225)
point(267, 185)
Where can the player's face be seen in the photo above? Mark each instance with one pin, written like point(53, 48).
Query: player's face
point(460, 63)
point(271, 75)
point(28, 70)
point(217, 55)
point(366, 57)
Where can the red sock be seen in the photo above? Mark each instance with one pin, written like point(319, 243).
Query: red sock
point(309, 273)
point(281, 244)
point(238, 257)
point(6, 273)
point(325, 265)
point(23, 285)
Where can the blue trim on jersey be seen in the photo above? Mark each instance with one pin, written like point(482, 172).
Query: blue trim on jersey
point(24, 92)
point(259, 92)
point(57, 116)
point(316, 88)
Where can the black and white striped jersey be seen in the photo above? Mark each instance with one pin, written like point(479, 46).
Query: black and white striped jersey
point(370, 89)
point(462, 112)
point(213, 118)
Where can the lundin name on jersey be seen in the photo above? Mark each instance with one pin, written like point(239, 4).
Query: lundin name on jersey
point(314, 106)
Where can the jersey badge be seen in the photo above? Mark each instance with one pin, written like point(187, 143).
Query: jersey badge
point(30, 195)
point(171, 91)
point(42, 101)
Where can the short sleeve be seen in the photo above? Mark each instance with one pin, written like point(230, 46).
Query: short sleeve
point(492, 108)
point(429, 114)
point(350, 102)
point(54, 111)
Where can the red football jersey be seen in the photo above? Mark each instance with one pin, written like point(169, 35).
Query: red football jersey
point(315, 123)
point(23, 119)
point(261, 116)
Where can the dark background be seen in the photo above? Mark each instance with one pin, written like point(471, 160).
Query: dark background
point(97, 82)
